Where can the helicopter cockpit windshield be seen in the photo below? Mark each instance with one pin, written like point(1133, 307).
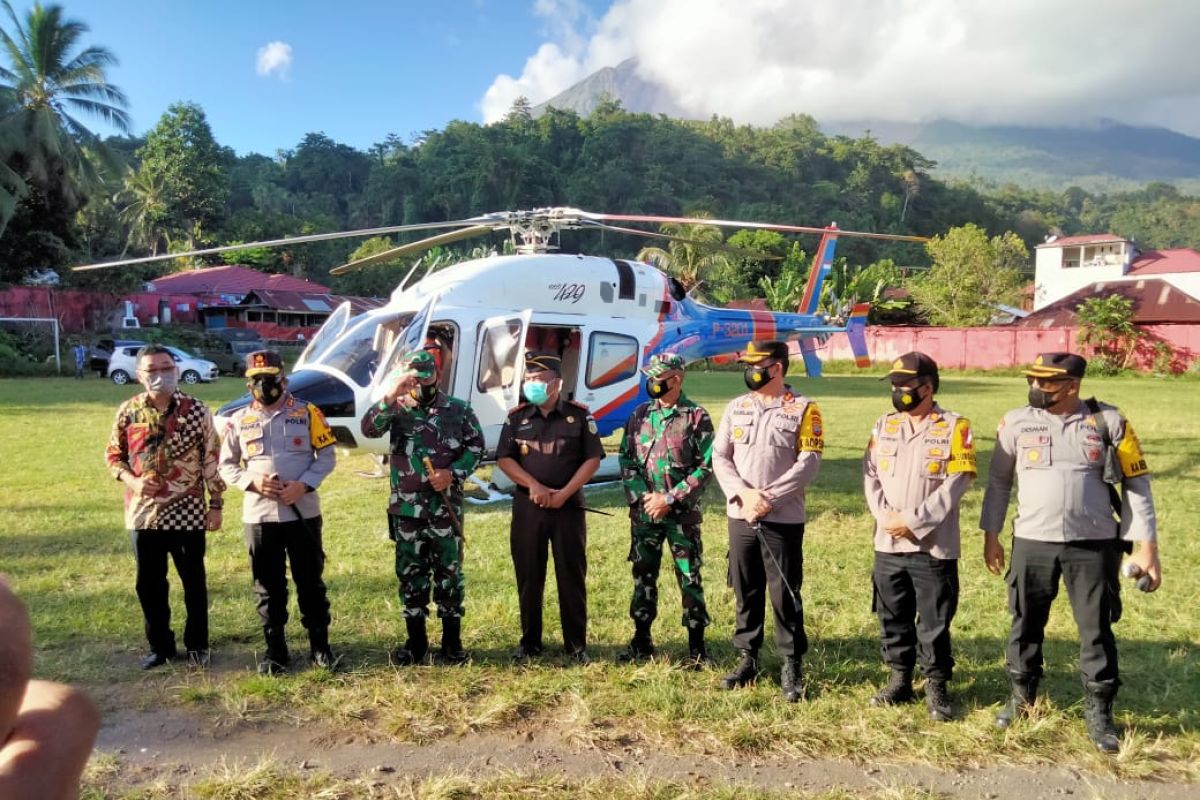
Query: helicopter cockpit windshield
point(327, 335)
point(356, 352)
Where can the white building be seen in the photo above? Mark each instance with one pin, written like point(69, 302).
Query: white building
point(1067, 264)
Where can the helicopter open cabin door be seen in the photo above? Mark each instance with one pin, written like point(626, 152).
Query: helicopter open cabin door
point(410, 339)
point(500, 364)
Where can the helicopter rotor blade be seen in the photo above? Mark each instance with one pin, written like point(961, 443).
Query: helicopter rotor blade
point(290, 240)
point(412, 247)
point(762, 226)
point(738, 251)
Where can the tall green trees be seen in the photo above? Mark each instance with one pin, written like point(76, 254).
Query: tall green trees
point(970, 275)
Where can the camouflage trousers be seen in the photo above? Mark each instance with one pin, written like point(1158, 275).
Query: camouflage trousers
point(428, 557)
point(683, 539)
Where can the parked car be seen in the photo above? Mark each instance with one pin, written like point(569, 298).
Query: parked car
point(102, 351)
point(122, 366)
point(230, 354)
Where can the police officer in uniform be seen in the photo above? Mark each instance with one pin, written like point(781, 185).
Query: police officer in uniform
point(767, 450)
point(919, 463)
point(550, 448)
point(277, 450)
point(666, 461)
point(1057, 448)
point(427, 425)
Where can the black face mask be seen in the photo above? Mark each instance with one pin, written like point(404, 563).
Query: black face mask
point(906, 399)
point(425, 394)
point(657, 389)
point(757, 377)
point(1040, 398)
point(266, 389)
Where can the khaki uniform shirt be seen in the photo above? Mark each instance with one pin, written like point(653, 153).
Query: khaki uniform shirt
point(772, 444)
point(1058, 462)
point(293, 442)
point(920, 469)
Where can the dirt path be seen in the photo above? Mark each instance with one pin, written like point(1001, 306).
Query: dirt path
point(177, 746)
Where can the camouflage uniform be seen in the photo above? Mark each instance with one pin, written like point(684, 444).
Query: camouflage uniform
point(446, 432)
point(667, 449)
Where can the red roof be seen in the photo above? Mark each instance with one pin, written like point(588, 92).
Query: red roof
point(1154, 301)
point(231, 280)
point(1091, 238)
point(1165, 262)
point(307, 302)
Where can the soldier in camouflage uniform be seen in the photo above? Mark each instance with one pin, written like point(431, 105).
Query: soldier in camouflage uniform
point(427, 424)
point(666, 461)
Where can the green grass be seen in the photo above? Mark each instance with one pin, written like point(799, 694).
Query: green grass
point(63, 544)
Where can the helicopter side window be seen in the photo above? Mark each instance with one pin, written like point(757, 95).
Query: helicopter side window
point(612, 358)
point(445, 333)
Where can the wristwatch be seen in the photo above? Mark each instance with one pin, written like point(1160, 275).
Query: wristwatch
point(670, 498)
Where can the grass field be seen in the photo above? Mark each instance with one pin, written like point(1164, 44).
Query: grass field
point(63, 545)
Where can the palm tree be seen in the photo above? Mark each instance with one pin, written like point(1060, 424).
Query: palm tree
point(689, 262)
point(47, 84)
point(145, 210)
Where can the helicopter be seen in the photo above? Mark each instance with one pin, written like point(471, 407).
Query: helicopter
point(605, 316)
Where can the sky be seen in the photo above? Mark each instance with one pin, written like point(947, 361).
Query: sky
point(268, 72)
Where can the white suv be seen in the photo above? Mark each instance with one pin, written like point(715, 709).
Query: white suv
point(122, 366)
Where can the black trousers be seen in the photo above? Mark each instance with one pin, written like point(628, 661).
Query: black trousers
point(758, 564)
point(916, 597)
point(534, 531)
point(271, 546)
point(186, 549)
point(1090, 571)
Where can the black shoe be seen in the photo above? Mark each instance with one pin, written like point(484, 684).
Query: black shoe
point(639, 649)
point(1097, 712)
point(198, 658)
point(791, 680)
point(525, 653)
point(324, 659)
point(452, 649)
point(745, 672)
point(697, 653)
point(937, 700)
point(273, 666)
point(153, 659)
point(899, 689)
point(1021, 698)
point(417, 646)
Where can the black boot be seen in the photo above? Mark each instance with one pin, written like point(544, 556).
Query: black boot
point(319, 654)
point(641, 646)
point(1023, 695)
point(276, 659)
point(791, 679)
point(1097, 712)
point(414, 650)
point(452, 649)
point(937, 700)
point(745, 672)
point(899, 689)
point(697, 652)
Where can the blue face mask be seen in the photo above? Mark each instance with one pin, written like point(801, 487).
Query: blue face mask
point(535, 392)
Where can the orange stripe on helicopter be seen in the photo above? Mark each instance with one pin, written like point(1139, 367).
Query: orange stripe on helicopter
point(621, 399)
point(624, 366)
point(762, 326)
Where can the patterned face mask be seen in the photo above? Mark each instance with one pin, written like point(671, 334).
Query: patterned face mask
point(266, 389)
point(658, 388)
point(163, 382)
point(757, 377)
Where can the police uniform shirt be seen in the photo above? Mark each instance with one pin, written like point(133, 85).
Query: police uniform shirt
point(552, 447)
point(919, 468)
point(293, 442)
point(1058, 461)
point(772, 444)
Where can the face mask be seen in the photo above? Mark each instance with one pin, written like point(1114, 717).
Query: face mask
point(162, 382)
point(425, 394)
point(905, 399)
point(657, 389)
point(756, 377)
point(535, 392)
point(266, 389)
point(1040, 398)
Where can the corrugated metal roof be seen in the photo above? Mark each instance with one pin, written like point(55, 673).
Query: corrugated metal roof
point(1166, 262)
point(1154, 301)
point(307, 302)
point(232, 280)
point(1091, 238)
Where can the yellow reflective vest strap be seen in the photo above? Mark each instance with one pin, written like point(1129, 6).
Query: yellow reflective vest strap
point(812, 432)
point(319, 432)
point(1129, 453)
point(962, 448)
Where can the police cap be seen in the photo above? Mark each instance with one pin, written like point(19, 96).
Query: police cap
point(1057, 365)
point(538, 360)
point(913, 365)
point(757, 352)
point(263, 362)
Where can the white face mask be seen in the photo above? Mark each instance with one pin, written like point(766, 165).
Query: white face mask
point(162, 382)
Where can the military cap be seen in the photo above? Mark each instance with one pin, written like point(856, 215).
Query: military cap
point(536, 360)
point(263, 362)
point(662, 363)
point(757, 352)
point(419, 362)
point(913, 365)
point(1057, 365)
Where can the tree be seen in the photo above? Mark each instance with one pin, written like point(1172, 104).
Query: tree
point(144, 211)
point(784, 293)
point(686, 258)
point(970, 276)
point(1106, 325)
point(182, 155)
point(46, 84)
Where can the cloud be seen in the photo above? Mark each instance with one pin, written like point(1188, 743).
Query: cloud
point(1025, 61)
point(274, 58)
